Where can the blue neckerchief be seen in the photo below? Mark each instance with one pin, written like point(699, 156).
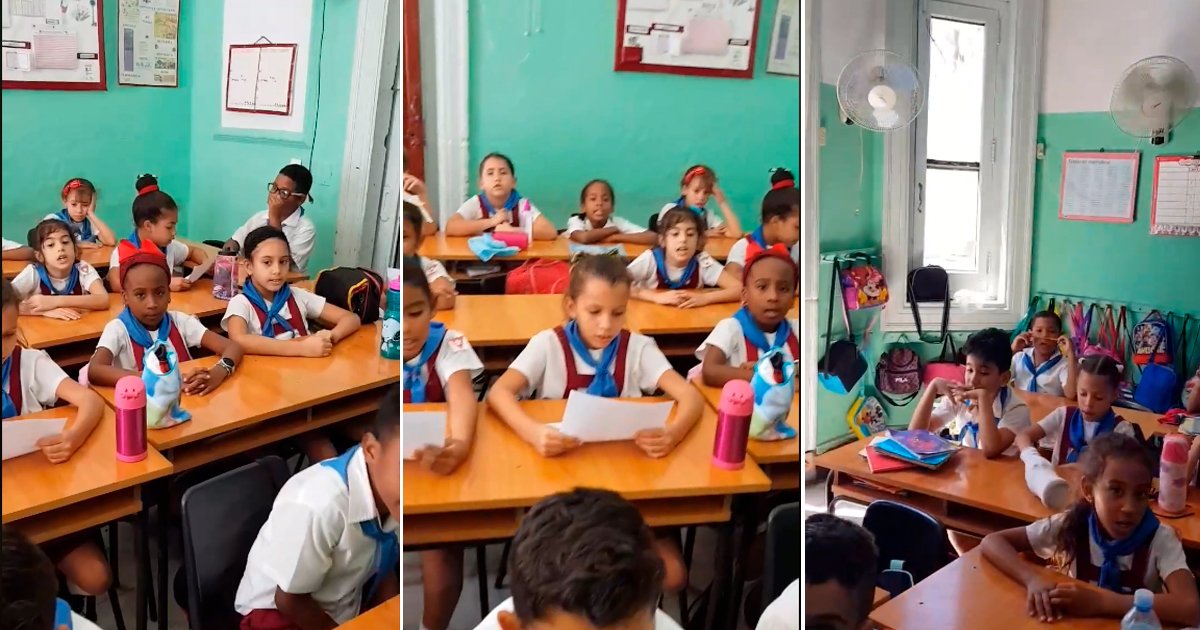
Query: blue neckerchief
point(1110, 571)
point(973, 427)
point(84, 232)
point(138, 333)
point(510, 204)
point(387, 551)
point(756, 336)
point(412, 373)
point(135, 239)
point(1048, 365)
point(660, 261)
point(697, 209)
point(757, 237)
point(62, 615)
point(1075, 431)
point(10, 409)
point(72, 280)
point(603, 383)
point(273, 317)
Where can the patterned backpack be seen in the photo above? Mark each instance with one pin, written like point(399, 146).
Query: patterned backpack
point(898, 374)
point(1152, 340)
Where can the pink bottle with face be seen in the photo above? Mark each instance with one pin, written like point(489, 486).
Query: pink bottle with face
point(130, 401)
point(733, 425)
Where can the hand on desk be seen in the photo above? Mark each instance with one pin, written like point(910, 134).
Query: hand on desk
point(670, 298)
point(179, 283)
point(59, 448)
point(1041, 605)
point(694, 300)
point(318, 344)
point(549, 442)
point(63, 314)
point(202, 381)
point(443, 460)
point(1076, 600)
point(656, 443)
point(507, 227)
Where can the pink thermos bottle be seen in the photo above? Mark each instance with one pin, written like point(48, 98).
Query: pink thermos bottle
point(130, 401)
point(733, 425)
point(1172, 474)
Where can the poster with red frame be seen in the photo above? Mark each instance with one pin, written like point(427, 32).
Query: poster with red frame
point(707, 38)
point(260, 79)
point(53, 45)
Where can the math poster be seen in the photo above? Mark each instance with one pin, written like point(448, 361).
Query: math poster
point(53, 44)
point(696, 37)
point(148, 50)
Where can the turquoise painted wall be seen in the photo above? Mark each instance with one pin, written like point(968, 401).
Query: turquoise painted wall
point(552, 103)
point(108, 137)
point(851, 181)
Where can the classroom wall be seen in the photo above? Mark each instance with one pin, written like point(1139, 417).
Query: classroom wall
point(551, 102)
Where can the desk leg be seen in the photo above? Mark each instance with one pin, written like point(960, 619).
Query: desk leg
point(743, 544)
point(721, 571)
point(143, 567)
point(164, 522)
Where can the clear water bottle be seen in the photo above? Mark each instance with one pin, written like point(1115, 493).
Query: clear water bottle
point(1141, 616)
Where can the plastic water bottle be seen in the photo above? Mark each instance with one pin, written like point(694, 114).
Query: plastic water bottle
point(391, 346)
point(130, 402)
point(1141, 616)
point(225, 276)
point(1172, 475)
point(733, 425)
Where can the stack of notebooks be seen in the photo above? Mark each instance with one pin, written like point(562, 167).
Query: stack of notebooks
point(900, 450)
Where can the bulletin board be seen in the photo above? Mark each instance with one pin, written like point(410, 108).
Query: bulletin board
point(1099, 187)
point(53, 44)
point(1175, 209)
point(712, 38)
point(148, 50)
point(259, 78)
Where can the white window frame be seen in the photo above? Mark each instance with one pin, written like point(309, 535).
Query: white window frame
point(1009, 182)
point(810, 73)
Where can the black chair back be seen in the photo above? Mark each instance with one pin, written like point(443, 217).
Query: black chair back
point(906, 534)
point(782, 566)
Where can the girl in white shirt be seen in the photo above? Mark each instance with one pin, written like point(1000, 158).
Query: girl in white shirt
point(595, 221)
point(780, 222)
point(155, 216)
point(441, 285)
point(1044, 359)
point(669, 273)
point(1073, 427)
point(696, 187)
point(58, 286)
point(79, 213)
point(499, 206)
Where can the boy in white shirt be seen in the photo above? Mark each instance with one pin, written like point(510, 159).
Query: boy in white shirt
point(840, 570)
point(28, 596)
point(285, 211)
point(1044, 359)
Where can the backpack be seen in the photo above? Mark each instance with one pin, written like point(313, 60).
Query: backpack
point(1152, 340)
point(863, 285)
point(929, 284)
point(843, 364)
point(898, 373)
point(538, 277)
point(355, 289)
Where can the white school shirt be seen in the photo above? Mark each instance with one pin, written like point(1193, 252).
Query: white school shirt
point(177, 254)
point(453, 356)
point(310, 305)
point(712, 218)
point(1052, 424)
point(27, 282)
point(115, 338)
point(10, 245)
point(40, 378)
point(1050, 382)
point(662, 621)
point(77, 228)
point(433, 269)
point(644, 270)
point(1013, 415)
point(1166, 552)
point(300, 231)
point(784, 612)
point(737, 252)
point(543, 364)
point(728, 337)
point(582, 224)
point(472, 210)
point(313, 543)
point(82, 623)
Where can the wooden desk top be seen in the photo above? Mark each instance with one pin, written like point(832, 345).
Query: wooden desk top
point(503, 320)
point(972, 593)
point(780, 452)
point(505, 472)
point(32, 485)
point(655, 319)
point(97, 258)
point(881, 597)
point(385, 616)
point(268, 387)
point(454, 248)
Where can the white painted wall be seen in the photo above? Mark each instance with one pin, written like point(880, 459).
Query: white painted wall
point(849, 27)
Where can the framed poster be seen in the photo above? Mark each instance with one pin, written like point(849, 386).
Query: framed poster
point(784, 56)
point(259, 78)
point(710, 39)
point(53, 45)
point(148, 43)
point(1099, 187)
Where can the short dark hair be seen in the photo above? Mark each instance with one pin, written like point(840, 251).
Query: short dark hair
point(9, 295)
point(29, 585)
point(299, 174)
point(684, 214)
point(413, 276)
point(611, 193)
point(991, 346)
point(610, 269)
point(260, 235)
point(585, 552)
point(499, 156)
point(80, 184)
point(1050, 315)
point(387, 421)
point(1102, 366)
point(781, 202)
point(43, 230)
point(150, 202)
point(838, 550)
point(413, 217)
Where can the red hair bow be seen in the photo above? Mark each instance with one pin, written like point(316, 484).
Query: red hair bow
point(755, 253)
point(697, 170)
point(71, 185)
point(130, 255)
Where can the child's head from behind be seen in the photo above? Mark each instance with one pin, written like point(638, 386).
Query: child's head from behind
point(381, 449)
point(681, 235)
point(597, 297)
point(77, 197)
point(146, 287)
point(1096, 387)
point(769, 282)
point(417, 309)
point(583, 560)
point(154, 212)
point(840, 568)
point(11, 305)
point(412, 235)
point(781, 208)
point(697, 185)
point(989, 357)
point(29, 586)
point(54, 246)
point(1045, 328)
point(269, 258)
point(596, 202)
point(290, 189)
point(497, 176)
point(1117, 476)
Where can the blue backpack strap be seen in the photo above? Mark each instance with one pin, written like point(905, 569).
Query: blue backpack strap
point(387, 550)
point(62, 615)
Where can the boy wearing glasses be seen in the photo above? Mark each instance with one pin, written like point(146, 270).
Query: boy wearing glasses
point(285, 211)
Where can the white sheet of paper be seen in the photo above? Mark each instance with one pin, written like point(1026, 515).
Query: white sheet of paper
point(20, 436)
point(421, 429)
point(594, 419)
point(199, 272)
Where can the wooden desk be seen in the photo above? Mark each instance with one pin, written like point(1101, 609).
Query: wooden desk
point(655, 319)
point(881, 597)
point(454, 248)
point(781, 459)
point(97, 258)
point(1040, 405)
point(385, 616)
point(503, 320)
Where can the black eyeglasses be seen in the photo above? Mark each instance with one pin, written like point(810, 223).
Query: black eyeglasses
point(283, 192)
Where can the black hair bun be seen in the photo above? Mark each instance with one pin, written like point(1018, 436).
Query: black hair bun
point(781, 175)
point(144, 181)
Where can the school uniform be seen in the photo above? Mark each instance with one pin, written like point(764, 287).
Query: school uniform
point(712, 219)
point(737, 251)
point(300, 231)
point(416, 201)
point(84, 231)
point(579, 223)
point(1057, 425)
point(31, 380)
point(1048, 378)
point(1011, 411)
point(637, 367)
point(729, 337)
point(185, 332)
point(301, 307)
point(64, 616)
point(662, 621)
point(10, 245)
point(433, 269)
point(478, 207)
point(1191, 384)
point(33, 279)
point(784, 612)
point(176, 253)
point(446, 353)
point(649, 272)
point(324, 537)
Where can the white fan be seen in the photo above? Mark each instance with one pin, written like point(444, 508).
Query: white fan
point(880, 90)
point(1153, 97)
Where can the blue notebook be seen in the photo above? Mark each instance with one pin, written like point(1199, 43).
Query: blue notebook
point(893, 449)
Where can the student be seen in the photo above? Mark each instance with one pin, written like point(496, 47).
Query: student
point(780, 222)
point(595, 221)
point(1109, 538)
point(439, 366)
point(585, 560)
point(146, 320)
point(441, 285)
point(1191, 393)
point(1044, 359)
point(16, 251)
point(58, 285)
point(840, 570)
point(416, 194)
point(32, 382)
point(79, 213)
point(285, 211)
point(769, 288)
point(331, 547)
point(28, 594)
point(678, 263)
point(498, 206)
point(698, 185)
point(1074, 427)
point(155, 216)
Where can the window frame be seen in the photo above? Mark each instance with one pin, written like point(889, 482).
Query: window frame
point(810, 79)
